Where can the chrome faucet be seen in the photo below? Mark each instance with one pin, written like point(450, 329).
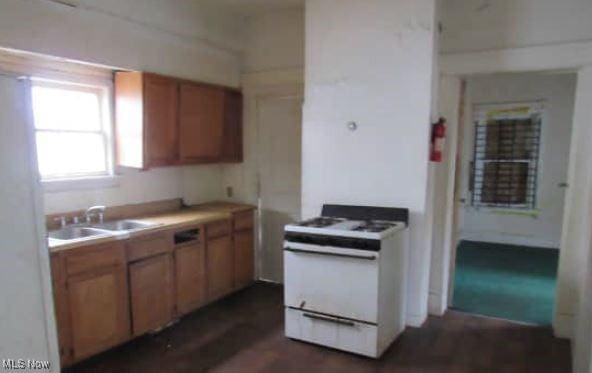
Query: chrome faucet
point(95, 211)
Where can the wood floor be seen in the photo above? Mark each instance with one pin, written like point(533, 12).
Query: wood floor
point(244, 333)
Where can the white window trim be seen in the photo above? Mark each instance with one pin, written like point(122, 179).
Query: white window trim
point(506, 111)
point(84, 181)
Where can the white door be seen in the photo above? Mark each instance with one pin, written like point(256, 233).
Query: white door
point(279, 126)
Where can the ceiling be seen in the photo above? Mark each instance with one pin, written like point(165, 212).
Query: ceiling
point(253, 7)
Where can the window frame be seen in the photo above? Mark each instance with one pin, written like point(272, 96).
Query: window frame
point(83, 180)
point(509, 111)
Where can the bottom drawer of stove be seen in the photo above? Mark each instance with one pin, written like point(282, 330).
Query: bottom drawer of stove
point(342, 334)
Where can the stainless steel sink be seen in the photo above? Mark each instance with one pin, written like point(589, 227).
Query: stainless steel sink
point(75, 233)
point(125, 225)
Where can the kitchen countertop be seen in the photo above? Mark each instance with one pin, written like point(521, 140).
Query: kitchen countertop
point(189, 216)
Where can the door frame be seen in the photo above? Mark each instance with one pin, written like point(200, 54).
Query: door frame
point(258, 86)
point(567, 56)
point(260, 236)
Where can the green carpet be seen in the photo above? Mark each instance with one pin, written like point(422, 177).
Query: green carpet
point(509, 282)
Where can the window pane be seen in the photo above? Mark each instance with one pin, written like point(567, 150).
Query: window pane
point(511, 139)
point(505, 183)
point(66, 109)
point(70, 153)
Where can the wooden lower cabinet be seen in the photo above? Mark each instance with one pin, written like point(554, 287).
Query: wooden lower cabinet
point(190, 272)
point(99, 310)
point(108, 293)
point(220, 267)
point(244, 258)
point(151, 293)
point(62, 311)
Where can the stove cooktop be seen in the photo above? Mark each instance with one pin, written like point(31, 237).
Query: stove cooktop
point(347, 225)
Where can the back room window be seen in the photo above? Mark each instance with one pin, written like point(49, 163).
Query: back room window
point(72, 130)
point(506, 158)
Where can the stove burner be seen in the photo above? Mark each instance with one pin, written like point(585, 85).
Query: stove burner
point(320, 222)
point(374, 226)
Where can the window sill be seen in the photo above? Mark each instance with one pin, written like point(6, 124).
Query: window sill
point(533, 213)
point(86, 183)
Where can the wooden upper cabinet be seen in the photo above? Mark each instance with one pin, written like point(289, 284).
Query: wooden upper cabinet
point(162, 121)
point(201, 122)
point(232, 136)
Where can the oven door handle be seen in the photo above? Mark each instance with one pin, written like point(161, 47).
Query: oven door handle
point(329, 319)
point(371, 257)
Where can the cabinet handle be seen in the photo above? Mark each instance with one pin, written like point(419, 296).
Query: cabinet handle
point(329, 319)
point(371, 257)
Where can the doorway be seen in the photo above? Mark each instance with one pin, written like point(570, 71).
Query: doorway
point(512, 166)
point(279, 123)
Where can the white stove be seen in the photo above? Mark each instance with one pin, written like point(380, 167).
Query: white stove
point(345, 278)
point(333, 226)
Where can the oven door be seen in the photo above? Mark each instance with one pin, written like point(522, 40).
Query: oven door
point(334, 281)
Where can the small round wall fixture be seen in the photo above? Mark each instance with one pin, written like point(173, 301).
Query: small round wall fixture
point(352, 126)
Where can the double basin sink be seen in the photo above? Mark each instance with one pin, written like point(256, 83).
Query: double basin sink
point(80, 232)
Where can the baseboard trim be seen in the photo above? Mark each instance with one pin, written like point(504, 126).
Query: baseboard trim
point(416, 321)
point(563, 325)
point(436, 306)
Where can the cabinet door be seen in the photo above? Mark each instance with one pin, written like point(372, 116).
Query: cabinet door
point(160, 121)
point(201, 123)
point(190, 271)
point(244, 258)
point(232, 139)
point(62, 315)
point(151, 288)
point(220, 269)
point(99, 310)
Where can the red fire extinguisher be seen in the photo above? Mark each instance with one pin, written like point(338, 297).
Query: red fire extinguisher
point(437, 140)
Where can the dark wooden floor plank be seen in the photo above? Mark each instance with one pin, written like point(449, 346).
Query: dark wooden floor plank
point(244, 333)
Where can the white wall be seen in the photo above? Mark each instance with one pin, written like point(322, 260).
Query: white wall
point(542, 228)
point(27, 324)
point(156, 36)
point(471, 25)
point(193, 184)
point(179, 38)
point(274, 41)
point(444, 182)
point(573, 288)
point(385, 161)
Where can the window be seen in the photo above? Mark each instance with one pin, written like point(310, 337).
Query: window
point(72, 130)
point(505, 166)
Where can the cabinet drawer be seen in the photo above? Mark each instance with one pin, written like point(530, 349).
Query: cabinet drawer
point(335, 332)
point(243, 220)
point(218, 229)
point(148, 246)
point(96, 257)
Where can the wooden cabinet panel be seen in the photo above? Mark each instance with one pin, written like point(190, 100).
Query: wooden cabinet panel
point(160, 110)
point(244, 258)
point(87, 259)
point(149, 246)
point(151, 292)
point(232, 137)
point(190, 271)
point(244, 220)
point(220, 263)
point(99, 310)
point(218, 229)
point(62, 314)
point(201, 122)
